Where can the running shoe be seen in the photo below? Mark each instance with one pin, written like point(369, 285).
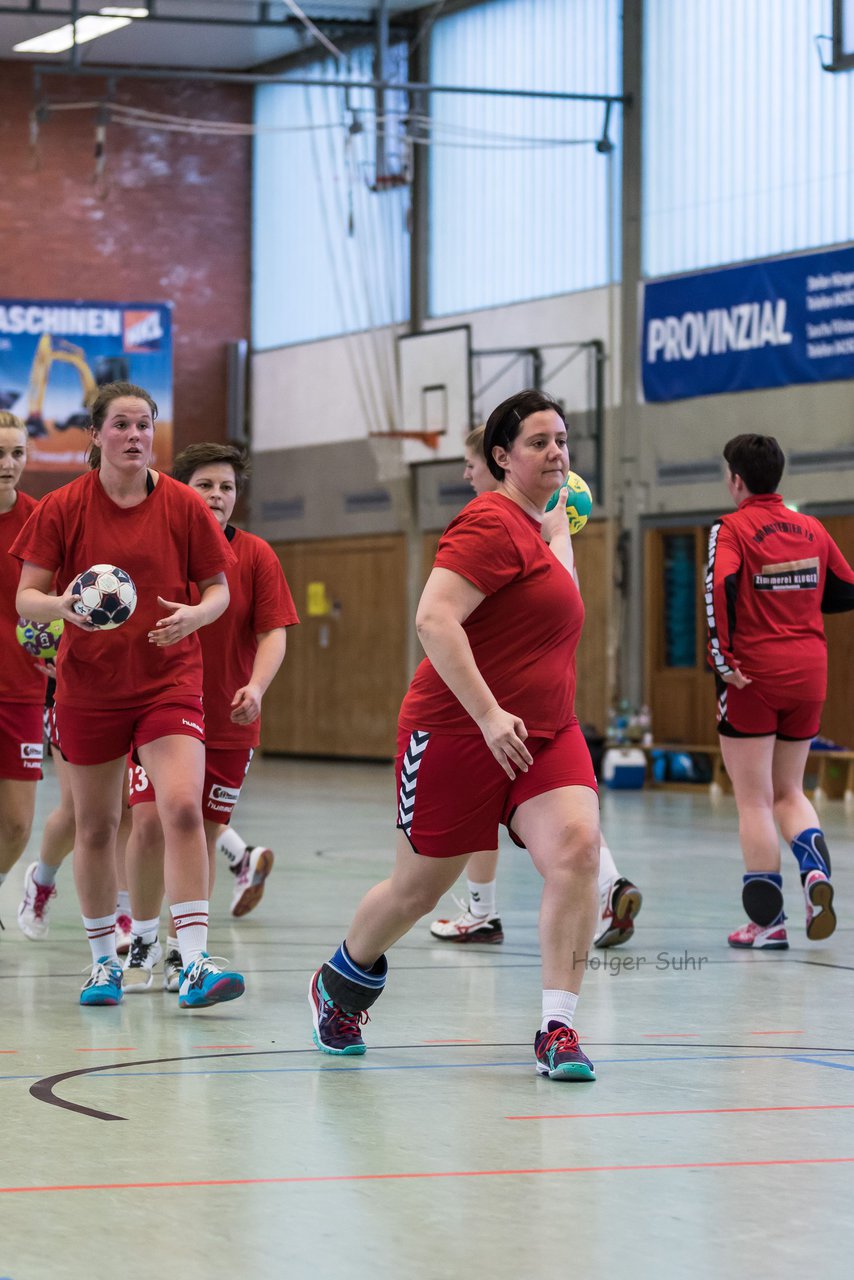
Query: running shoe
point(558, 1055)
point(124, 934)
point(104, 985)
point(334, 1030)
point(203, 983)
point(172, 969)
point(253, 871)
point(617, 922)
point(33, 911)
point(139, 965)
point(818, 894)
point(467, 927)
point(759, 937)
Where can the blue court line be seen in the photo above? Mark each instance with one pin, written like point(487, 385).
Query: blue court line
point(821, 1062)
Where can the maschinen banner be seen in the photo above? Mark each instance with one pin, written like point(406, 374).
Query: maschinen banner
point(764, 325)
point(53, 357)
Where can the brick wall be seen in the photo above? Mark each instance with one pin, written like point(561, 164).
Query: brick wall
point(172, 223)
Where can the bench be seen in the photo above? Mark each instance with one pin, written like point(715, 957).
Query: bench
point(833, 770)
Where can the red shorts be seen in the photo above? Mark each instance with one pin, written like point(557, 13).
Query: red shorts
point(21, 741)
point(98, 734)
point(452, 793)
point(757, 713)
point(224, 774)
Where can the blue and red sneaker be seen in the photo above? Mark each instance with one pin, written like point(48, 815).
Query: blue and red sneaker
point(559, 1056)
point(334, 1030)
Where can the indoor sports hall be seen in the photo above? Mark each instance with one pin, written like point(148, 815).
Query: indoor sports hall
point(332, 239)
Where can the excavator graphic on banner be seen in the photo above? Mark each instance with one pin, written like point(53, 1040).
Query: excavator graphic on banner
point(107, 369)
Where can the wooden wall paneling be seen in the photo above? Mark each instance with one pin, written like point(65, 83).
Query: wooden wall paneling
point(340, 689)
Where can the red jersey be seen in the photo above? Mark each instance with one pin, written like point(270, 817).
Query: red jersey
point(19, 680)
point(165, 543)
point(772, 572)
point(260, 601)
point(523, 635)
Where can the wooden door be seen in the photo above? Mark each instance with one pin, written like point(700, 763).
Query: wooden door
point(344, 676)
point(680, 690)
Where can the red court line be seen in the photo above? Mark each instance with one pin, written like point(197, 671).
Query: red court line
point(8, 1050)
point(451, 1173)
point(699, 1111)
point(110, 1048)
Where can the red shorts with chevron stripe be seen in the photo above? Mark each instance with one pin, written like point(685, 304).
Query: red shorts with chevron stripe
point(452, 794)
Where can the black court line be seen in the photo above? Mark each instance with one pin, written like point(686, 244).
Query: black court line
point(43, 1090)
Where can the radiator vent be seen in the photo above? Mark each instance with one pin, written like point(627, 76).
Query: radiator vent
point(371, 500)
point(710, 471)
point(283, 509)
point(821, 460)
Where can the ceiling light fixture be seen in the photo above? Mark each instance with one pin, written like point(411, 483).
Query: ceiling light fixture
point(62, 38)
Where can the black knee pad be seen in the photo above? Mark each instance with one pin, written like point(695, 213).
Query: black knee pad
point(763, 901)
point(351, 996)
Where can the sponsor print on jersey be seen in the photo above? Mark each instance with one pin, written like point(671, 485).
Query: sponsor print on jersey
point(789, 575)
point(32, 751)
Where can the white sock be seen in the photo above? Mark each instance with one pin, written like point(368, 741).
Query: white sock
point(233, 847)
point(45, 875)
point(101, 933)
point(123, 903)
point(608, 872)
point(481, 898)
point(145, 929)
point(191, 926)
point(558, 1006)
point(172, 944)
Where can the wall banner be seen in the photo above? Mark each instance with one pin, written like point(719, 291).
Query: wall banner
point(768, 324)
point(53, 357)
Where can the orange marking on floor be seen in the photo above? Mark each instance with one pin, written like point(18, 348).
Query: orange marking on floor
point(8, 1050)
point(699, 1111)
point(110, 1048)
point(450, 1173)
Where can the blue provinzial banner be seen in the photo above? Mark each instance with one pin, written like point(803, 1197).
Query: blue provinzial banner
point(768, 324)
point(53, 357)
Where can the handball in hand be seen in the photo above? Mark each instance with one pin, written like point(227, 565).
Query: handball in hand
point(105, 595)
point(40, 639)
point(579, 502)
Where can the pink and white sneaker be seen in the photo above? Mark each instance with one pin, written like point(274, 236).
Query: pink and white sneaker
point(256, 866)
point(33, 911)
point(818, 895)
point(759, 937)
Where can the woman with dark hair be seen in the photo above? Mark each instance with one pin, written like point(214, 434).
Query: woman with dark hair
point(772, 573)
point(138, 687)
point(488, 735)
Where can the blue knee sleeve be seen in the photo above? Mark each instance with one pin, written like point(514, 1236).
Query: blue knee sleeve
point(811, 851)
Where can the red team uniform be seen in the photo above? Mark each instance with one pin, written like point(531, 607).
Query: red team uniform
point(22, 688)
point(452, 792)
point(115, 689)
point(260, 601)
point(772, 573)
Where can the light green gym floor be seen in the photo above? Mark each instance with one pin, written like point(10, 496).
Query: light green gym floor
point(718, 1138)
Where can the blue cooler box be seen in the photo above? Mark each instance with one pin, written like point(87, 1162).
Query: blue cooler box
point(624, 769)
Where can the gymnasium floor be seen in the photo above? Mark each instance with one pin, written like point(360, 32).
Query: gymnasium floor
point(718, 1139)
